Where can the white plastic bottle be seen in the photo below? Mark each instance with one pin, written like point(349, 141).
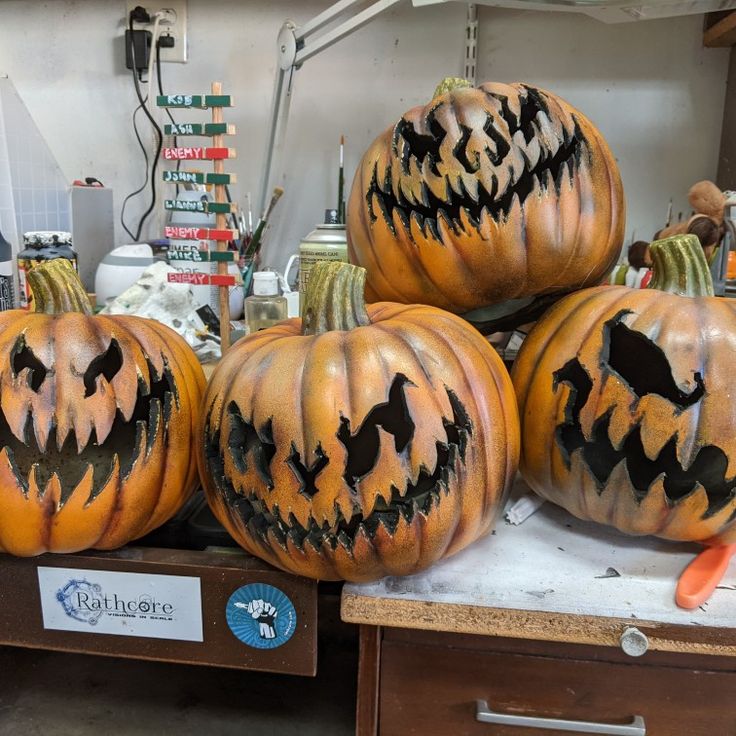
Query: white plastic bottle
point(265, 307)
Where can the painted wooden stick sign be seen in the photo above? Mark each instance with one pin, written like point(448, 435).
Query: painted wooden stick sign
point(197, 153)
point(189, 232)
point(217, 153)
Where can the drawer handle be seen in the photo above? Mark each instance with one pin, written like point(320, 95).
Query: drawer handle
point(485, 715)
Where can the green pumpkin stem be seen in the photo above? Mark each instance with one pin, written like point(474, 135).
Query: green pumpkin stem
point(450, 83)
point(334, 298)
point(56, 288)
point(679, 267)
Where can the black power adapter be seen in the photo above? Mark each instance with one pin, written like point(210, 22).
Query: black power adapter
point(141, 42)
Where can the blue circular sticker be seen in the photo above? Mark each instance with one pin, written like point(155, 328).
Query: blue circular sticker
point(261, 616)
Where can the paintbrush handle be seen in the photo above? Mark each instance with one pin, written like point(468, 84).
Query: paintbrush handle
point(340, 195)
point(255, 241)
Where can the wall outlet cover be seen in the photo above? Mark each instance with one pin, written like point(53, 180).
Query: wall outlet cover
point(174, 23)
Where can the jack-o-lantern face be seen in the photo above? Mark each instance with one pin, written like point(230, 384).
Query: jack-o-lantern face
point(627, 410)
point(499, 195)
point(96, 418)
point(373, 447)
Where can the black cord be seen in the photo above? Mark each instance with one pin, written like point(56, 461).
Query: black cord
point(159, 145)
point(160, 140)
point(171, 117)
point(168, 112)
point(142, 187)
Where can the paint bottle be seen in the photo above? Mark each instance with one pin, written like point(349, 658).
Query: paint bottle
point(327, 242)
point(38, 247)
point(265, 307)
point(7, 298)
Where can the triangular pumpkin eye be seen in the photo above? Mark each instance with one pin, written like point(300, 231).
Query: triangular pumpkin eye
point(23, 357)
point(107, 364)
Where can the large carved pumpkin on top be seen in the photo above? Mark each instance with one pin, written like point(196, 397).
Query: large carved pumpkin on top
point(97, 416)
point(362, 442)
point(498, 198)
point(626, 400)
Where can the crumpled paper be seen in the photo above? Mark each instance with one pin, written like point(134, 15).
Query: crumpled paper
point(171, 304)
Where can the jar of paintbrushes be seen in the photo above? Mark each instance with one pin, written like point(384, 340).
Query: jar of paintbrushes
point(251, 243)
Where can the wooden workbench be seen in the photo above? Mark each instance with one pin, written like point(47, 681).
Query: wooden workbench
point(550, 598)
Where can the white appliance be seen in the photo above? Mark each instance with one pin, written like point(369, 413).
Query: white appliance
point(120, 269)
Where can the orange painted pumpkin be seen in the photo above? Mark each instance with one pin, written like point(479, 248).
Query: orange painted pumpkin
point(627, 405)
point(362, 442)
point(97, 416)
point(492, 201)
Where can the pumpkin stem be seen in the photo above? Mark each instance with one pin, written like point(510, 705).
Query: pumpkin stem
point(56, 288)
point(334, 298)
point(450, 83)
point(679, 266)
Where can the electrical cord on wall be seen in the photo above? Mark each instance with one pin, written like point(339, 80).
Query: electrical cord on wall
point(173, 121)
point(166, 109)
point(158, 138)
point(142, 187)
point(154, 53)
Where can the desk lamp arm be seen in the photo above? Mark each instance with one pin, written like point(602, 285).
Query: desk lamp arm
point(293, 51)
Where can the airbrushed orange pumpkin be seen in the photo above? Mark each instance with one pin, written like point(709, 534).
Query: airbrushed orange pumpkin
point(97, 416)
point(492, 201)
point(626, 400)
point(362, 442)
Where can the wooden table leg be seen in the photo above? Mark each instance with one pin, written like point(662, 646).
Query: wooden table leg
point(369, 679)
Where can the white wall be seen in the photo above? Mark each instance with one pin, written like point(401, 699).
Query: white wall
point(652, 89)
point(655, 93)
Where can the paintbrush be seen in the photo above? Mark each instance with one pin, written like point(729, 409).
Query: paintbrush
point(250, 214)
point(669, 214)
point(341, 184)
point(255, 244)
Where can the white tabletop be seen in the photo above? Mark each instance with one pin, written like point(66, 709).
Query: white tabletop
point(550, 564)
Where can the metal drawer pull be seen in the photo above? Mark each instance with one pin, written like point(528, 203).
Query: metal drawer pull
point(485, 715)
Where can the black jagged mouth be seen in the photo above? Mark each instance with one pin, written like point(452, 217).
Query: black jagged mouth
point(262, 521)
point(645, 371)
point(125, 442)
point(266, 522)
point(550, 171)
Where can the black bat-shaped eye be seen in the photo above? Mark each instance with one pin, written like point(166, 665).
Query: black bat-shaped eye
point(643, 365)
point(421, 145)
point(363, 446)
point(107, 364)
point(23, 357)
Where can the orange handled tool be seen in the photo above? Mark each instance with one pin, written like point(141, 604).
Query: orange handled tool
point(700, 578)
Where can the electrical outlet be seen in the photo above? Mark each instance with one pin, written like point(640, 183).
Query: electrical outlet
point(173, 22)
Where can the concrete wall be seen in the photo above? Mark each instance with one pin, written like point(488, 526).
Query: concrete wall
point(654, 91)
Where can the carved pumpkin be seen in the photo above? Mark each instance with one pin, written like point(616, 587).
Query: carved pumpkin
point(500, 195)
point(362, 442)
point(97, 416)
point(626, 403)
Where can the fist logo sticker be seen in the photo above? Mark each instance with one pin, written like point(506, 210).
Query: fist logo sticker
point(261, 616)
point(264, 613)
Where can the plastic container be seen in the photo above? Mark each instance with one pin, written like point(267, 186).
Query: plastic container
point(265, 307)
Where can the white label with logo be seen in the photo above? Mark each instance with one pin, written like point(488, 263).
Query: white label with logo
point(123, 603)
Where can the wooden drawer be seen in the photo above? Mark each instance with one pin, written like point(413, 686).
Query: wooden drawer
point(428, 690)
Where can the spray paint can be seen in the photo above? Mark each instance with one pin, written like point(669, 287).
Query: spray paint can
point(327, 242)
